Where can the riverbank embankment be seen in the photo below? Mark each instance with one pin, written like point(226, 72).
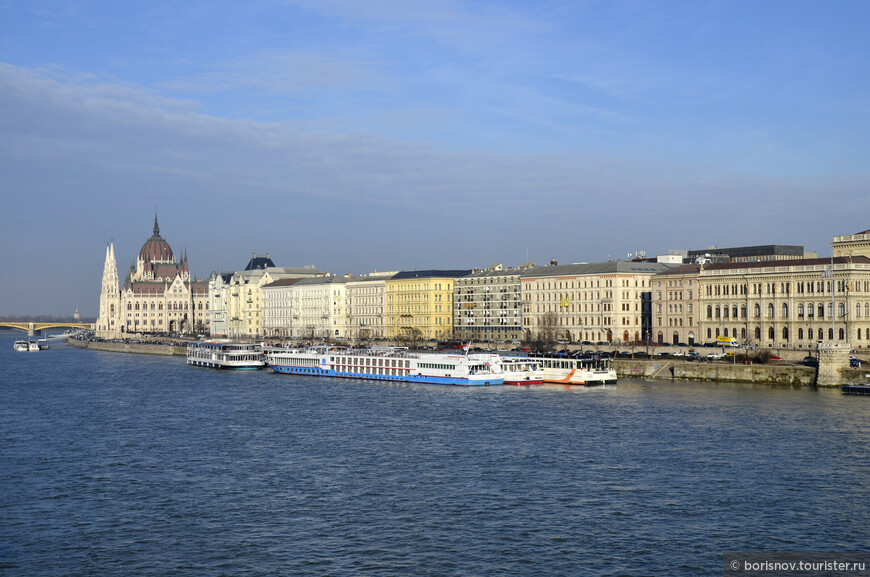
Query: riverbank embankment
point(136, 348)
point(779, 374)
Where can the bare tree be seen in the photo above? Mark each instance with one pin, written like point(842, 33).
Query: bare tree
point(548, 330)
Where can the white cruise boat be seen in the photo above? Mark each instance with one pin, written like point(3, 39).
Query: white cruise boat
point(225, 355)
point(521, 371)
point(390, 364)
point(587, 370)
point(25, 346)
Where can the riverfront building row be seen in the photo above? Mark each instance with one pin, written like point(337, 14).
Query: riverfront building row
point(782, 300)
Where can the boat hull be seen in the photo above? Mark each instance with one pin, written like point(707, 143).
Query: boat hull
point(471, 381)
point(856, 389)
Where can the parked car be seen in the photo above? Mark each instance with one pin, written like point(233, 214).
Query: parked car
point(810, 361)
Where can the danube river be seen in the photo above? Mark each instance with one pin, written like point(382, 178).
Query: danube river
point(116, 464)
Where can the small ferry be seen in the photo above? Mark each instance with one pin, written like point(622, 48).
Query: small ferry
point(25, 346)
point(225, 355)
point(390, 364)
point(521, 371)
point(857, 389)
point(590, 370)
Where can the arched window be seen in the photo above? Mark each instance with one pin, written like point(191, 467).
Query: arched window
point(758, 333)
point(725, 334)
point(785, 310)
point(734, 311)
point(810, 334)
point(709, 311)
point(743, 334)
point(800, 334)
point(770, 334)
point(800, 310)
point(841, 310)
point(810, 310)
point(743, 311)
point(137, 305)
point(757, 311)
point(830, 334)
point(726, 312)
point(821, 310)
point(842, 334)
point(709, 333)
point(718, 312)
point(858, 310)
point(785, 334)
point(859, 334)
point(770, 310)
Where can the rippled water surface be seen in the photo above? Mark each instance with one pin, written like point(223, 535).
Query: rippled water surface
point(114, 464)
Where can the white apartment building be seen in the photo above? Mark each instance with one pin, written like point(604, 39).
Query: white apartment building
point(366, 297)
point(317, 308)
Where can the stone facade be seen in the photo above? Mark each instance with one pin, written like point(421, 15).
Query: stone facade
point(590, 302)
point(366, 306)
point(795, 304)
point(237, 299)
point(675, 299)
point(158, 295)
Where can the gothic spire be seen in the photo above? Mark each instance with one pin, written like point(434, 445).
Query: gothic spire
point(156, 228)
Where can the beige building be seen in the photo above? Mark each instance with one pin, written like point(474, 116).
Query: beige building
point(420, 304)
point(489, 305)
point(794, 304)
point(366, 305)
point(675, 306)
point(790, 304)
point(590, 302)
point(236, 300)
point(852, 244)
point(158, 296)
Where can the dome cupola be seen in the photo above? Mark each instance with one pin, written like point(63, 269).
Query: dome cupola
point(155, 248)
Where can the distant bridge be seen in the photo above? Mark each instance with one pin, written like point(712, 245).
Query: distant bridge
point(33, 327)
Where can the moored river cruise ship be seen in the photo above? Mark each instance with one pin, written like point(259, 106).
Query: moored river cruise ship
point(225, 355)
point(389, 364)
point(588, 370)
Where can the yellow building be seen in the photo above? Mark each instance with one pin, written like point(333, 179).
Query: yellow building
point(420, 304)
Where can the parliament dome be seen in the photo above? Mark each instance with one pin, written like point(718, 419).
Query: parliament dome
point(155, 248)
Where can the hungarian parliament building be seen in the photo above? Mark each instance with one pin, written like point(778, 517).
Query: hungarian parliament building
point(774, 296)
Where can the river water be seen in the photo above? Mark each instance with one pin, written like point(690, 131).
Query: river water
point(118, 464)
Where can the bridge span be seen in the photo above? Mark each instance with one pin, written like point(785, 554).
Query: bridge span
point(33, 327)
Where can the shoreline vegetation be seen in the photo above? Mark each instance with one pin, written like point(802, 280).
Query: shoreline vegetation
point(785, 373)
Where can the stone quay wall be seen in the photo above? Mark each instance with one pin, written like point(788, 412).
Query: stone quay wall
point(138, 348)
point(789, 375)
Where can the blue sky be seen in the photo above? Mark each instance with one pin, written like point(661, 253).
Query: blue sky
point(383, 135)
